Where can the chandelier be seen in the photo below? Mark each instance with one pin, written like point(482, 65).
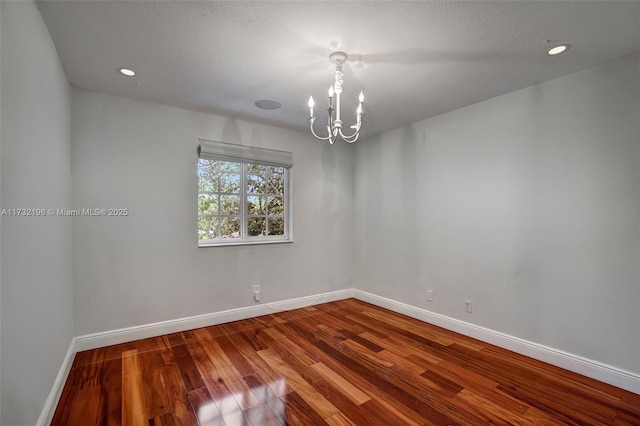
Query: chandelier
point(334, 124)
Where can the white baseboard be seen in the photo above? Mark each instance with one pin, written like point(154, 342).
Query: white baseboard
point(586, 367)
point(589, 368)
point(46, 415)
point(123, 335)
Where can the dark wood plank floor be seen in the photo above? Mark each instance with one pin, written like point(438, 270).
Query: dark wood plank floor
point(339, 363)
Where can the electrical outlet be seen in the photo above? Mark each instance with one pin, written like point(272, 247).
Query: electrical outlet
point(468, 306)
point(429, 295)
point(256, 292)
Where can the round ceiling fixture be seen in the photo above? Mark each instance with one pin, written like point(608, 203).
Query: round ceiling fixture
point(268, 104)
point(127, 72)
point(556, 50)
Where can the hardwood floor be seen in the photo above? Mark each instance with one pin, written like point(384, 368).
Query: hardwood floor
point(339, 363)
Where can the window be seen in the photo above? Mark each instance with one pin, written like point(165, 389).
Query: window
point(242, 198)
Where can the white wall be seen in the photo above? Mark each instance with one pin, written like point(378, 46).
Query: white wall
point(527, 204)
point(0, 208)
point(37, 292)
point(146, 267)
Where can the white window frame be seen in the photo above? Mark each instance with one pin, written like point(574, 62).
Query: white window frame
point(220, 151)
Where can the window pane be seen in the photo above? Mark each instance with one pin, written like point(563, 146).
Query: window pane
point(230, 205)
point(207, 228)
point(207, 204)
point(230, 227)
point(275, 169)
point(206, 166)
point(207, 185)
point(228, 166)
point(255, 184)
point(276, 206)
point(255, 168)
point(256, 226)
point(207, 176)
point(256, 205)
point(275, 184)
point(229, 183)
point(276, 226)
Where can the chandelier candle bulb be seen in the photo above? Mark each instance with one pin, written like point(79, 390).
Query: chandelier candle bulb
point(311, 104)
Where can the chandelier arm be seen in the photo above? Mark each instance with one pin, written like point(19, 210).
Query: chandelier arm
point(328, 138)
point(351, 138)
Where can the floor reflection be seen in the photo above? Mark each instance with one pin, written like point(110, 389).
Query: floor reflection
point(228, 410)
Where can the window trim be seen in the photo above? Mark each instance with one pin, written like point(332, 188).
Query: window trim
point(220, 151)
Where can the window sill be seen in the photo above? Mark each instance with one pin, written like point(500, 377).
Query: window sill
point(243, 243)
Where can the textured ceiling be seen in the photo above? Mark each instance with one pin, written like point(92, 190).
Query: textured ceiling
point(413, 59)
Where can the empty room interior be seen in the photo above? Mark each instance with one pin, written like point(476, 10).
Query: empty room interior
point(319, 212)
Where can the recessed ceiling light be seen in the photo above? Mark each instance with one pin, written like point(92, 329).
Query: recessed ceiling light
point(556, 50)
point(127, 72)
point(268, 104)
